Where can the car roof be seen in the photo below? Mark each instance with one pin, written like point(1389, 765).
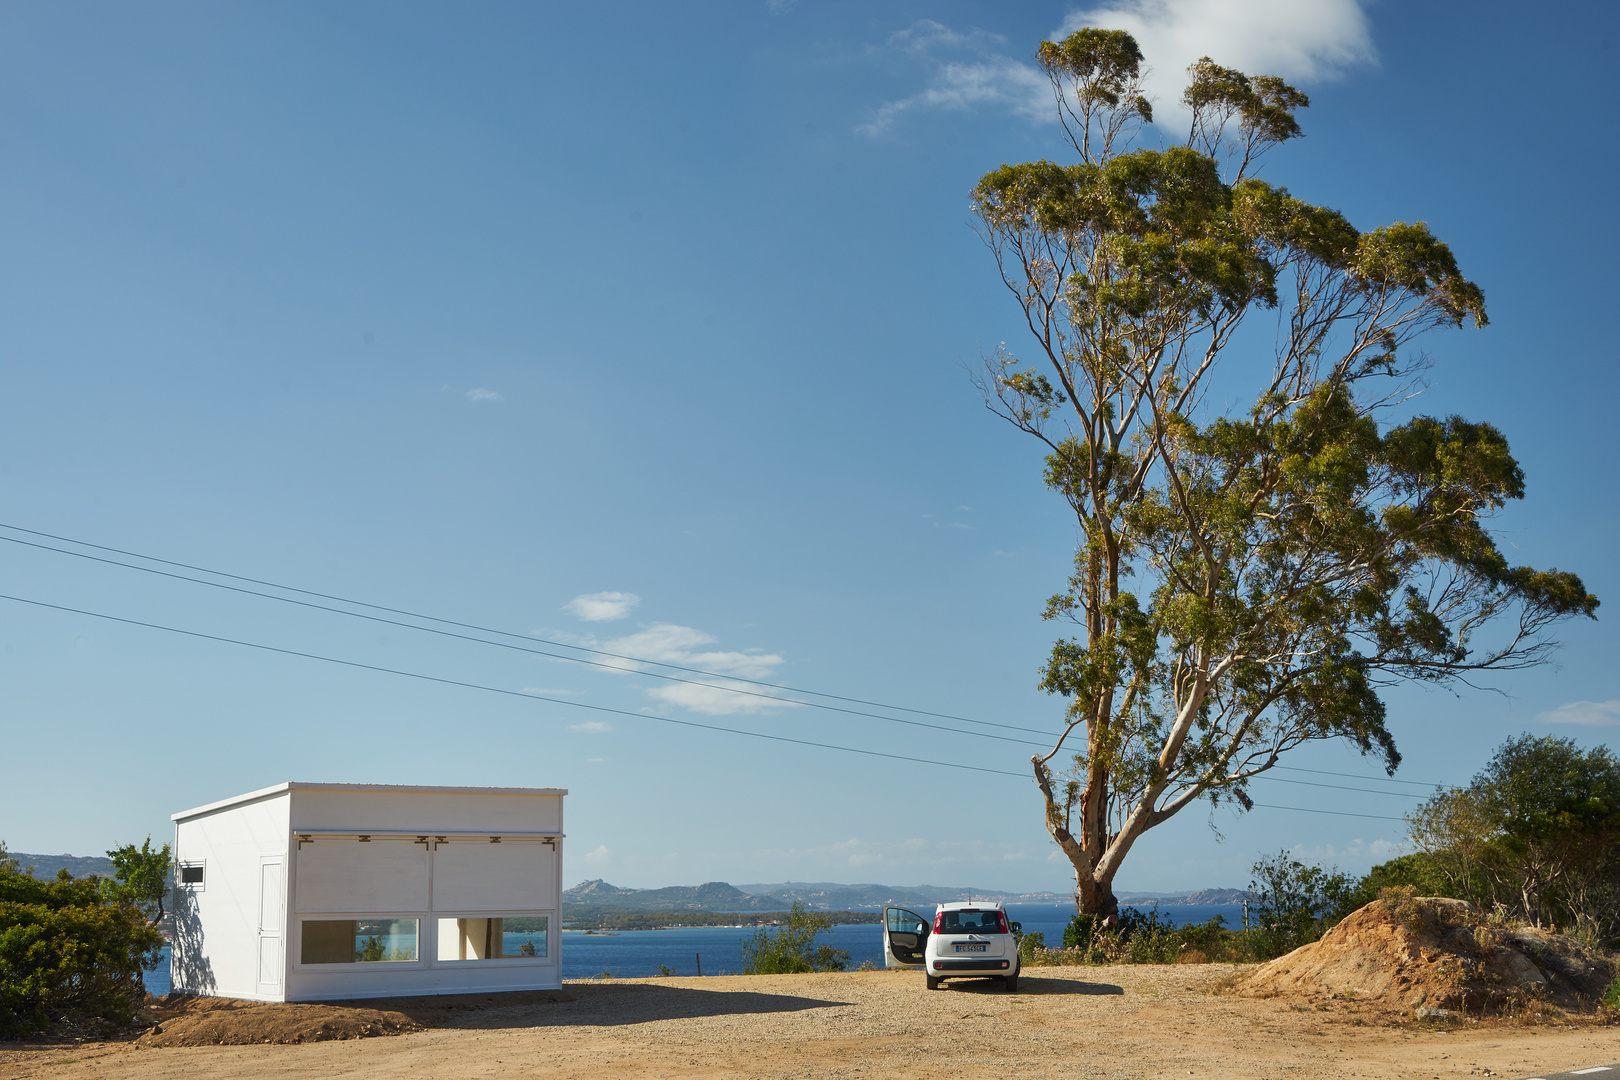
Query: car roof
point(971, 905)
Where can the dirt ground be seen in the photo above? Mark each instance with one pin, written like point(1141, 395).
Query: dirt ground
point(1118, 1022)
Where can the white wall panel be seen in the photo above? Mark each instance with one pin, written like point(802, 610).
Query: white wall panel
point(341, 874)
point(474, 875)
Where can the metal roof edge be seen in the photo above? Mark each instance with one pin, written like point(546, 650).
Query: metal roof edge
point(299, 785)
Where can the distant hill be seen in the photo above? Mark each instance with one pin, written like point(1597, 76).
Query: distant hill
point(712, 896)
point(1217, 896)
point(830, 896)
point(46, 866)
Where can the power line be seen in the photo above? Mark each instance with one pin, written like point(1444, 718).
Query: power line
point(577, 704)
point(474, 626)
point(1358, 776)
point(1335, 787)
point(1335, 813)
point(498, 690)
point(519, 648)
point(580, 660)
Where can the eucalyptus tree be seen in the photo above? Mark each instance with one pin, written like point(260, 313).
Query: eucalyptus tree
point(1245, 581)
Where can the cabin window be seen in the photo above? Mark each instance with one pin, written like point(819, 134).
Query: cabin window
point(358, 941)
point(191, 875)
point(510, 937)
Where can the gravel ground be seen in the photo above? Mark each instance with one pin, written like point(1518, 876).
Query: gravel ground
point(1130, 1023)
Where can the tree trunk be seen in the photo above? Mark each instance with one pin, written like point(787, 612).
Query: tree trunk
point(1093, 897)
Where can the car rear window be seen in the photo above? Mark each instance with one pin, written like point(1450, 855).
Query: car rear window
point(971, 922)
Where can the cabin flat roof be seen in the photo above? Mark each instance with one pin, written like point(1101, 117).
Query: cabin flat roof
point(380, 789)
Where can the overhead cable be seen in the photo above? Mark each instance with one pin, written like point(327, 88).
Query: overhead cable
point(524, 648)
point(499, 633)
point(495, 689)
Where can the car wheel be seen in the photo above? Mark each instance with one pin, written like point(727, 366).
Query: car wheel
point(1012, 983)
point(933, 983)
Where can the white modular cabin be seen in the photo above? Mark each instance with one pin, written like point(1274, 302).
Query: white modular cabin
point(319, 892)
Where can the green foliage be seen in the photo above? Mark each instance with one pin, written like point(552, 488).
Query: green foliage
point(140, 877)
point(527, 949)
point(791, 948)
point(70, 953)
point(1611, 996)
point(665, 971)
point(1245, 583)
point(1145, 938)
point(371, 950)
point(8, 862)
point(1537, 832)
point(1417, 871)
point(1296, 903)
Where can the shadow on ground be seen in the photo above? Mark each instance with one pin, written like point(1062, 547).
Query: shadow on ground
point(179, 1020)
point(617, 1004)
point(1036, 984)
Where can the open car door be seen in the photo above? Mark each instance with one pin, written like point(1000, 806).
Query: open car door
point(905, 934)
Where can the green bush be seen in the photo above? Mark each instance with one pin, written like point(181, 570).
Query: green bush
point(1611, 996)
point(1295, 904)
point(71, 953)
point(791, 948)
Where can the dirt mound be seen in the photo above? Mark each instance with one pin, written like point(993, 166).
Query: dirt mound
point(179, 1020)
point(1427, 951)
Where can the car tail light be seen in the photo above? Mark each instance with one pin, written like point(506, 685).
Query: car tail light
point(939, 923)
point(1001, 918)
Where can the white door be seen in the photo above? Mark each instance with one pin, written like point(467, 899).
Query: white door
point(272, 917)
point(905, 935)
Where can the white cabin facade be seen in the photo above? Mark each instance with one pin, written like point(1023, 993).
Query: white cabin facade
point(320, 892)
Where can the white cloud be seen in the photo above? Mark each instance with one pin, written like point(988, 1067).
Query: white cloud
point(592, 727)
point(1590, 713)
point(780, 7)
point(602, 606)
point(979, 74)
point(715, 694)
point(1302, 42)
point(600, 854)
point(480, 394)
point(716, 682)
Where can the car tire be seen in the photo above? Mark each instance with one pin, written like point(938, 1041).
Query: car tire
point(1012, 982)
point(933, 983)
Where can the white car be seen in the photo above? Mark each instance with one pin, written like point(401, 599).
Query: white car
point(967, 940)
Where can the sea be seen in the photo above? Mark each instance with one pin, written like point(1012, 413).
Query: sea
point(717, 950)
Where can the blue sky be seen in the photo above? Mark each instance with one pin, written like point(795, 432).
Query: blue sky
point(475, 310)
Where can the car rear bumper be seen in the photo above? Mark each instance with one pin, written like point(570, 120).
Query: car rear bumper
point(978, 965)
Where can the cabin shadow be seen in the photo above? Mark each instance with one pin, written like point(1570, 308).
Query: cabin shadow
point(590, 1005)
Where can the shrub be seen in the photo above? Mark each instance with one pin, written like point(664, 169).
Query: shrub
point(70, 953)
point(791, 948)
point(1295, 904)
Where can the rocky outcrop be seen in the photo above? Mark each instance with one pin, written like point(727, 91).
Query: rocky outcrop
point(1435, 953)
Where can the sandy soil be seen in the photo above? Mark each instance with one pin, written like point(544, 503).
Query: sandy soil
point(1121, 1022)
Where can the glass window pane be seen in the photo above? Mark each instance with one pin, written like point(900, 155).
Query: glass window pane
point(480, 938)
point(358, 941)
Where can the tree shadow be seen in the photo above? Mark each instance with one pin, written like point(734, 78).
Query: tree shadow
point(590, 1005)
point(189, 968)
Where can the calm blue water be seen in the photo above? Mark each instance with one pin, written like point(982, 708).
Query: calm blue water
point(636, 954)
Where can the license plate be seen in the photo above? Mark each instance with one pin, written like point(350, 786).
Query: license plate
point(970, 948)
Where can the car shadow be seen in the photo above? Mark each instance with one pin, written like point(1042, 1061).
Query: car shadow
point(593, 1005)
point(1036, 984)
